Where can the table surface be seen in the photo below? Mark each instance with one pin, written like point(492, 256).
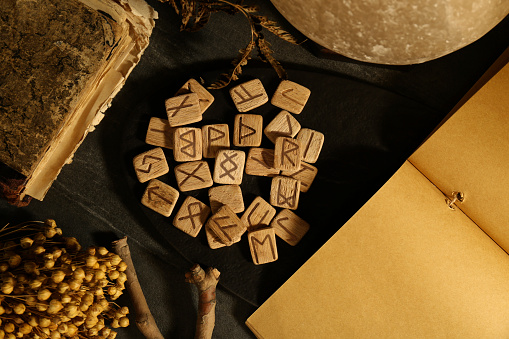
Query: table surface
point(91, 200)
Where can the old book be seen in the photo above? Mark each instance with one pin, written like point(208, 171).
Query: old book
point(58, 75)
point(427, 255)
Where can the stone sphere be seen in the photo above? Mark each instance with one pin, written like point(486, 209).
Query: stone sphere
point(396, 32)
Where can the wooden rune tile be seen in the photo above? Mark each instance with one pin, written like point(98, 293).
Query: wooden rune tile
point(193, 175)
point(226, 225)
point(230, 195)
point(289, 227)
point(258, 214)
point(283, 125)
point(249, 95)
point(247, 131)
point(183, 109)
point(204, 97)
point(192, 216)
point(229, 167)
point(262, 244)
point(213, 239)
point(290, 96)
point(287, 154)
point(285, 192)
point(150, 164)
point(260, 161)
point(306, 175)
point(215, 138)
point(159, 133)
point(160, 197)
point(187, 144)
point(312, 142)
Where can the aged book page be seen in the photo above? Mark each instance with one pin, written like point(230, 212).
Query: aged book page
point(470, 154)
point(404, 266)
point(132, 22)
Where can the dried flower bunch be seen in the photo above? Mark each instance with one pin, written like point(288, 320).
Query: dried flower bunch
point(196, 13)
point(50, 288)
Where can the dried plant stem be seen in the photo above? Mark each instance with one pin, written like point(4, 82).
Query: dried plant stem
point(206, 283)
point(144, 319)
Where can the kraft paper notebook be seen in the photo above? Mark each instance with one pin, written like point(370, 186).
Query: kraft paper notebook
point(406, 265)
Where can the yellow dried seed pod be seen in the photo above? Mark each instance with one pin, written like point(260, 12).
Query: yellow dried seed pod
point(57, 252)
point(2, 310)
point(43, 294)
point(4, 267)
point(78, 321)
point(26, 242)
point(90, 321)
point(115, 260)
point(122, 277)
point(42, 306)
point(2, 334)
point(19, 308)
point(46, 331)
point(115, 324)
point(91, 250)
point(51, 223)
point(18, 289)
point(112, 335)
point(54, 306)
point(112, 290)
point(116, 296)
point(103, 268)
point(50, 233)
point(54, 323)
point(89, 275)
point(75, 285)
point(91, 260)
point(88, 298)
point(59, 231)
point(39, 238)
point(123, 322)
point(38, 250)
point(10, 336)
point(48, 264)
point(62, 287)
point(65, 298)
point(124, 310)
point(93, 332)
point(104, 304)
point(14, 260)
point(71, 330)
point(55, 335)
point(102, 251)
point(63, 328)
point(122, 266)
point(30, 267)
point(9, 327)
point(78, 273)
point(95, 310)
point(98, 291)
point(21, 278)
point(35, 284)
point(58, 276)
point(98, 275)
point(72, 244)
point(107, 264)
point(113, 274)
point(105, 331)
point(31, 300)
point(84, 307)
point(103, 282)
point(25, 328)
point(33, 321)
point(7, 288)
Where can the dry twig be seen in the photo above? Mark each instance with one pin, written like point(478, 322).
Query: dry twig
point(206, 283)
point(144, 319)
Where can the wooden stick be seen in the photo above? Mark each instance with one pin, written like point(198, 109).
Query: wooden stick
point(144, 319)
point(206, 283)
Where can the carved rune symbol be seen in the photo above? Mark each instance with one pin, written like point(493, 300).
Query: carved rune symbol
point(190, 90)
point(191, 143)
point(192, 215)
point(309, 143)
point(283, 199)
point(250, 129)
point(284, 94)
point(251, 214)
point(248, 96)
point(192, 174)
point(144, 161)
point(292, 236)
point(289, 150)
point(266, 159)
point(216, 221)
point(179, 107)
point(228, 159)
point(267, 237)
point(152, 191)
point(221, 134)
point(290, 129)
point(303, 168)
